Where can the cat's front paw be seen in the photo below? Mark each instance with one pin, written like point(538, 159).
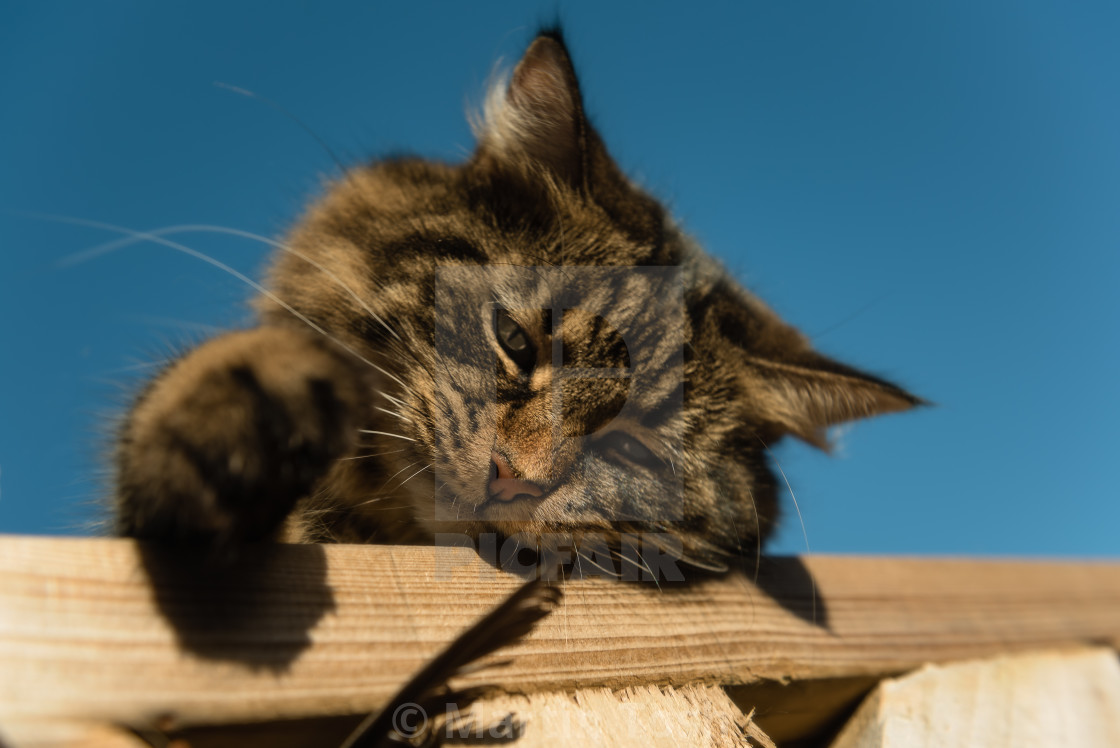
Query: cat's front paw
point(221, 446)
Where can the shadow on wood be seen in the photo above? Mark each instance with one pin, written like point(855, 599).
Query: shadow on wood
point(790, 583)
point(257, 609)
point(786, 580)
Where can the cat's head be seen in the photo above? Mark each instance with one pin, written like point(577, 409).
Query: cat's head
point(554, 355)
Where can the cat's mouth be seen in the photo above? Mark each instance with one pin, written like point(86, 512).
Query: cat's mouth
point(519, 509)
point(508, 497)
point(492, 501)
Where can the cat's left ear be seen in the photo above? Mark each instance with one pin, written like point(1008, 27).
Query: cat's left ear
point(806, 396)
point(538, 119)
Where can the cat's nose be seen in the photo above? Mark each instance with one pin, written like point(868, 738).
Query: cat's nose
point(505, 486)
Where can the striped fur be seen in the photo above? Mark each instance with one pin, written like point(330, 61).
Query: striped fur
point(368, 404)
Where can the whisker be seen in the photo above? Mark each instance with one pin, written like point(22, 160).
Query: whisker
point(758, 534)
point(609, 572)
point(386, 433)
point(386, 452)
point(367, 502)
point(300, 123)
point(366, 457)
point(397, 402)
point(800, 518)
point(394, 413)
point(394, 475)
point(235, 273)
point(406, 480)
point(640, 567)
point(107, 247)
point(796, 506)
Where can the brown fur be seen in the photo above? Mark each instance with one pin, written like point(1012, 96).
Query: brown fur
point(381, 320)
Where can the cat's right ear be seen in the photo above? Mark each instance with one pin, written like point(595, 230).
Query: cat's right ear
point(809, 392)
point(537, 121)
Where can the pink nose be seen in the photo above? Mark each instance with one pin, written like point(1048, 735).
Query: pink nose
point(504, 486)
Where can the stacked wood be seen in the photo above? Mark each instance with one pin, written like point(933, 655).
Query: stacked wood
point(100, 635)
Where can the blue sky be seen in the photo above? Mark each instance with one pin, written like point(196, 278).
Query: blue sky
point(930, 191)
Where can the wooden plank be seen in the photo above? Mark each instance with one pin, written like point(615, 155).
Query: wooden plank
point(55, 733)
point(640, 717)
point(697, 716)
point(304, 631)
point(1026, 701)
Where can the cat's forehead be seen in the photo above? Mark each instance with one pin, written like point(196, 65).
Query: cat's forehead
point(501, 214)
point(523, 244)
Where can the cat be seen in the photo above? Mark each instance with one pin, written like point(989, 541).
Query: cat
point(522, 343)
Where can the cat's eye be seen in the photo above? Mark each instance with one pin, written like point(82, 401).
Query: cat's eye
point(514, 341)
point(627, 447)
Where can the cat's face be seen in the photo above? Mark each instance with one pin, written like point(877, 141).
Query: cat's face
point(551, 353)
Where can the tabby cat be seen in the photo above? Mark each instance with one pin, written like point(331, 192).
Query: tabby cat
point(521, 343)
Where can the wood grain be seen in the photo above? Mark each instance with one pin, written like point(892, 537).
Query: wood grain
point(1027, 701)
point(308, 631)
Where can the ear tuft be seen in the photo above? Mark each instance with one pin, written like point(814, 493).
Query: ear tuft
point(538, 119)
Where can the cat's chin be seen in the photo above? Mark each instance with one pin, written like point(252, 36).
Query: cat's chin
point(497, 513)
